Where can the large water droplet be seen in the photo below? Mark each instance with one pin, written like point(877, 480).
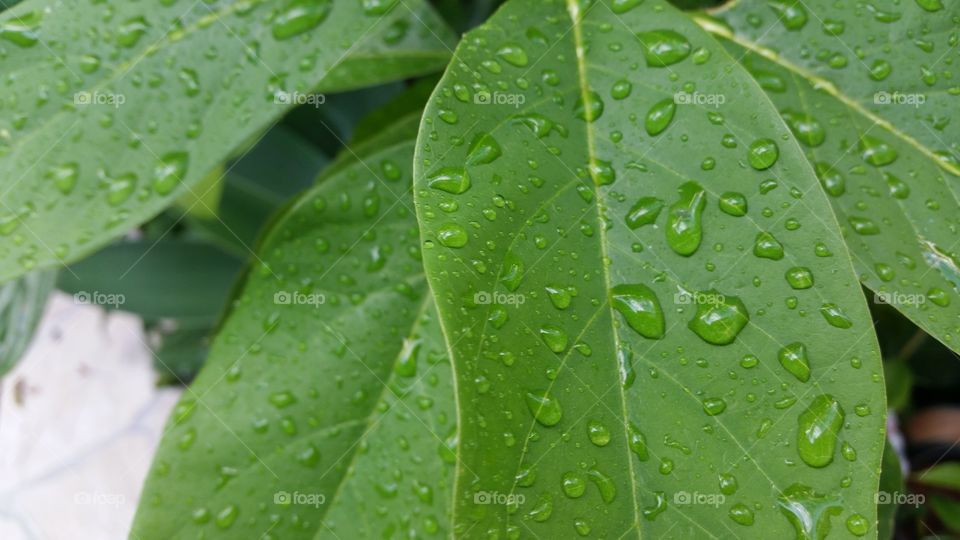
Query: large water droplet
point(793, 358)
point(664, 47)
point(818, 427)
point(684, 227)
point(659, 116)
point(545, 408)
point(763, 154)
point(644, 212)
point(719, 318)
point(640, 307)
point(299, 16)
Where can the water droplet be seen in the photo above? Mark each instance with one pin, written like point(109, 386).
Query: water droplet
point(513, 54)
point(684, 228)
point(720, 319)
point(805, 127)
point(608, 489)
point(791, 13)
point(659, 116)
point(621, 89)
point(714, 406)
point(742, 514)
point(555, 338)
point(484, 149)
point(864, 226)
point(733, 203)
point(880, 70)
point(644, 212)
point(640, 308)
point(598, 433)
point(664, 47)
point(835, 316)
point(876, 152)
point(574, 484)
point(807, 511)
point(300, 16)
point(857, 524)
point(452, 235)
point(793, 358)
point(131, 31)
point(800, 277)
point(589, 106)
point(767, 247)
point(64, 177)
point(545, 408)
point(637, 442)
point(169, 172)
point(818, 427)
point(831, 179)
point(450, 179)
point(763, 154)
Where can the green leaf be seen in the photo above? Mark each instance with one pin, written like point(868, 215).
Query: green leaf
point(891, 482)
point(869, 91)
point(21, 305)
point(944, 475)
point(346, 387)
point(111, 111)
point(149, 278)
point(948, 510)
point(655, 324)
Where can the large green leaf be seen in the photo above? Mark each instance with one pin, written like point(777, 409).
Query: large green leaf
point(328, 383)
point(111, 110)
point(21, 305)
point(655, 323)
point(868, 88)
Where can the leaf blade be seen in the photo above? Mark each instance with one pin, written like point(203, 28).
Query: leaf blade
point(552, 258)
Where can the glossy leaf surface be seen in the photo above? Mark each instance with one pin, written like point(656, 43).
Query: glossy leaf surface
point(656, 327)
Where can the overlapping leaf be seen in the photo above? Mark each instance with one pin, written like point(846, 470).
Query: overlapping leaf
point(328, 392)
point(21, 305)
point(110, 111)
point(656, 325)
point(869, 89)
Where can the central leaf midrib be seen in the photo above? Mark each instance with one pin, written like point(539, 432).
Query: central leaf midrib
point(573, 10)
